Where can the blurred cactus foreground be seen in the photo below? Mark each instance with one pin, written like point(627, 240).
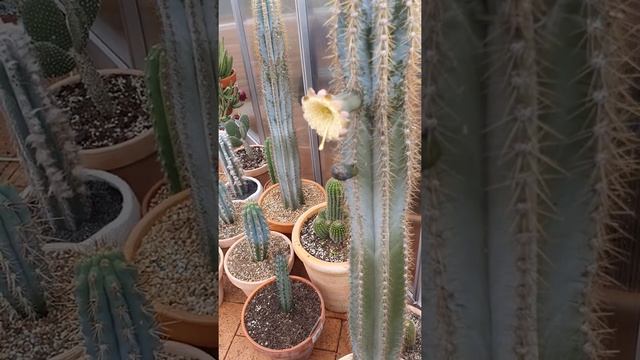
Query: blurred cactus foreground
point(529, 106)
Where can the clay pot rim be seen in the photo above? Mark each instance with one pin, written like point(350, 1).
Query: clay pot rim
point(290, 260)
point(273, 187)
point(133, 243)
point(146, 200)
point(308, 259)
point(170, 346)
point(257, 171)
point(314, 333)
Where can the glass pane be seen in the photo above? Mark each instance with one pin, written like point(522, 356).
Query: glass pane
point(109, 27)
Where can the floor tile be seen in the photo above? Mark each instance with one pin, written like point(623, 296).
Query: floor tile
point(328, 340)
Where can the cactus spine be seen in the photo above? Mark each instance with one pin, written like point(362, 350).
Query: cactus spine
point(238, 131)
point(163, 121)
point(20, 275)
point(277, 97)
point(376, 55)
point(283, 282)
point(225, 205)
point(329, 222)
point(115, 318)
point(268, 154)
point(232, 169)
point(189, 37)
point(41, 133)
point(559, 155)
point(257, 230)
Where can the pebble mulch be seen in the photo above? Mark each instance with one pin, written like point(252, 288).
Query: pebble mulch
point(274, 209)
point(242, 266)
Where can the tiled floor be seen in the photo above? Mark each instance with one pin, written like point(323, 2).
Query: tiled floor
point(332, 344)
point(10, 171)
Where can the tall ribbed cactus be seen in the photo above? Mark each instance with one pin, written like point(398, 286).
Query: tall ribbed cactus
point(376, 56)
point(115, 318)
point(163, 118)
point(257, 230)
point(20, 258)
point(41, 132)
point(232, 169)
point(283, 282)
point(329, 222)
point(268, 154)
point(523, 200)
point(189, 39)
point(277, 97)
point(225, 205)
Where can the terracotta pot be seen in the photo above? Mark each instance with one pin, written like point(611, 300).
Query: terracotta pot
point(220, 277)
point(176, 324)
point(286, 228)
point(229, 80)
point(146, 200)
point(114, 233)
point(300, 351)
point(170, 347)
point(261, 173)
point(249, 286)
point(133, 160)
point(226, 243)
point(331, 278)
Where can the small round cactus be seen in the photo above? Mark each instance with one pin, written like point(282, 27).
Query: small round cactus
point(338, 231)
point(321, 225)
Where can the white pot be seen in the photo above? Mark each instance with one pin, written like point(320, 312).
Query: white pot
point(257, 193)
point(227, 242)
point(220, 278)
point(115, 233)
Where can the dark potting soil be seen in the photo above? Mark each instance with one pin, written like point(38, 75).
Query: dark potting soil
point(271, 327)
point(105, 204)
point(251, 189)
point(248, 163)
point(95, 130)
point(415, 351)
point(323, 249)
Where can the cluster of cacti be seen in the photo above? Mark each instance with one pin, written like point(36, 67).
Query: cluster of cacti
point(377, 56)
point(163, 118)
point(116, 319)
point(237, 131)
point(225, 205)
point(225, 61)
point(61, 38)
point(530, 116)
point(330, 222)
point(41, 133)
point(238, 184)
point(277, 97)
point(20, 257)
point(283, 282)
point(228, 100)
point(268, 154)
point(256, 230)
point(189, 38)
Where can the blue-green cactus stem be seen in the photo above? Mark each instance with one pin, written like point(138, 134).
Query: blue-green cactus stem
point(238, 131)
point(116, 319)
point(225, 205)
point(321, 225)
point(283, 282)
point(20, 257)
point(238, 185)
point(335, 200)
point(268, 154)
point(338, 231)
point(256, 230)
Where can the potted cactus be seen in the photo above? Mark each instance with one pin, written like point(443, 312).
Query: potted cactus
point(284, 202)
point(284, 317)
point(252, 157)
point(106, 108)
point(82, 207)
point(241, 187)
point(250, 261)
point(321, 239)
point(226, 72)
point(271, 168)
point(175, 245)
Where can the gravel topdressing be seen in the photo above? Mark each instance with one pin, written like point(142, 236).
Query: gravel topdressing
point(323, 249)
point(251, 163)
point(273, 205)
point(173, 265)
point(226, 231)
point(415, 353)
point(242, 266)
point(57, 332)
point(160, 195)
point(95, 130)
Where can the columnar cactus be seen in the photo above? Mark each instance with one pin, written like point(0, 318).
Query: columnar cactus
point(61, 42)
point(376, 57)
point(268, 154)
point(329, 222)
point(277, 97)
point(256, 230)
point(232, 169)
point(115, 318)
point(238, 131)
point(225, 61)
point(283, 282)
point(20, 258)
point(41, 133)
point(531, 117)
point(163, 118)
point(225, 205)
point(189, 37)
